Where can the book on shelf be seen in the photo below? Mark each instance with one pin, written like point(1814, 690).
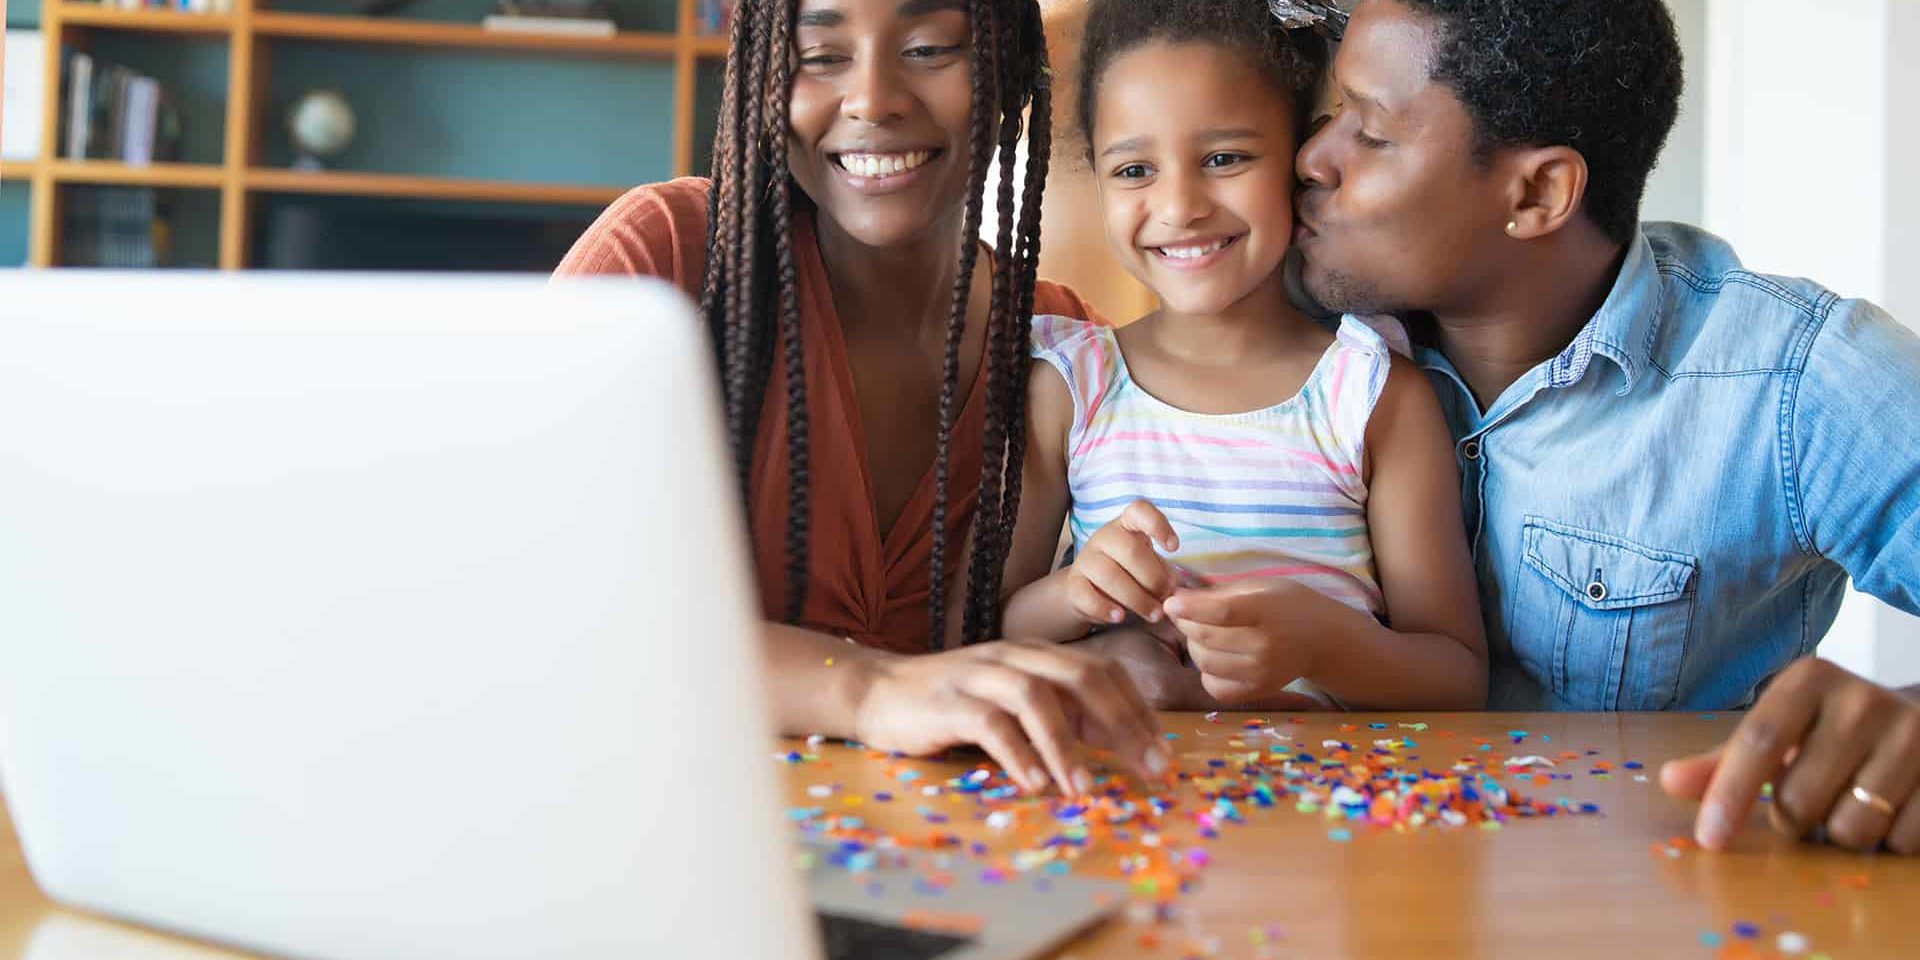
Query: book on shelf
point(714, 17)
point(128, 227)
point(560, 26)
point(113, 113)
point(180, 6)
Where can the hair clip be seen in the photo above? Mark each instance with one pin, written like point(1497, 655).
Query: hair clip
point(1323, 18)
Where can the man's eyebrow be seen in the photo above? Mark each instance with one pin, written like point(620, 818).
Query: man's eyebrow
point(1354, 96)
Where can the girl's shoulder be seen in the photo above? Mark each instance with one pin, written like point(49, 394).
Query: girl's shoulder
point(1380, 335)
point(653, 230)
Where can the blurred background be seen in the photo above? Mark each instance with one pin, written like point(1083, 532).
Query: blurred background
point(485, 135)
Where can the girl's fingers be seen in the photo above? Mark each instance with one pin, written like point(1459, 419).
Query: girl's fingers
point(1142, 516)
point(1107, 575)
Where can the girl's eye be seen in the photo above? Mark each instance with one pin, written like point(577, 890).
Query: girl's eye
point(1224, 160)
point(1132, 171)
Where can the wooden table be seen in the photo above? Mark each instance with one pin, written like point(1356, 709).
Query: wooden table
point(1563, 887)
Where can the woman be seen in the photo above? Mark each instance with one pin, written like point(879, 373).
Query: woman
point(838, 238)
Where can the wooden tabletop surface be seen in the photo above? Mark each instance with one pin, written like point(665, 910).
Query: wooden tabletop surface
point(1281, 883)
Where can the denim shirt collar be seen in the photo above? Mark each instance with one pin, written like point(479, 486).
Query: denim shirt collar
point(1622, 331)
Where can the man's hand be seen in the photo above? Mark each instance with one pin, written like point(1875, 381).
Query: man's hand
point(1841, 752)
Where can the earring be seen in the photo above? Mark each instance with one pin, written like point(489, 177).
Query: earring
point(1513, 226)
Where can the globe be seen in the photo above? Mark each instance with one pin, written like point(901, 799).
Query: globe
point(321, 124)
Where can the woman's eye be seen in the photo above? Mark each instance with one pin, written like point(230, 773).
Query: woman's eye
point(929, 52)
point(821, 59)
point(1371, 143)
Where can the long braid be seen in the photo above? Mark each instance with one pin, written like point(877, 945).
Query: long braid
point(779, 91)
point(1039, 149)
point(980, 143)
point(983, 603)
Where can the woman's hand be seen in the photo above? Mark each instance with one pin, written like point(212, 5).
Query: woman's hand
point(1029, 705)
point(1118, 571)
point(1842, 753)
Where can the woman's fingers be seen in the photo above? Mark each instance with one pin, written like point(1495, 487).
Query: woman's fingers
point(1003, 738)
point(1104, 693)
point(1035, 705)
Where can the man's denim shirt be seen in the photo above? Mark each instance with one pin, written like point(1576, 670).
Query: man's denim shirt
point(1666, 514)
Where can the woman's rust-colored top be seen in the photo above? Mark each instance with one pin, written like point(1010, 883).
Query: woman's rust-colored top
point(861, 585)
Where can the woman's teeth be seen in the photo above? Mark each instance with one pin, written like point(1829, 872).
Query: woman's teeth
point(1194, 253)
point(883, 164)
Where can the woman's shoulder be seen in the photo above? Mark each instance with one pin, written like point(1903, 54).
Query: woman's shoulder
point(1060, 300)
point(656, 230)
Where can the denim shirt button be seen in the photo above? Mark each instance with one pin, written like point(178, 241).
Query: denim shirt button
point(1470, 449)
point(1596, 591)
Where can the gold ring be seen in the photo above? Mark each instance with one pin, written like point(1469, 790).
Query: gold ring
point(1873, 800)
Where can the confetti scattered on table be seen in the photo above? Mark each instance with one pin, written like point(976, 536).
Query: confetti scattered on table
point(1158, 837)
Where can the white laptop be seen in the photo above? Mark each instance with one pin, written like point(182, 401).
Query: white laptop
point(355, 617)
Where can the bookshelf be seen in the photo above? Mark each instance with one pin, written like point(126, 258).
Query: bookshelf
point(243, 176)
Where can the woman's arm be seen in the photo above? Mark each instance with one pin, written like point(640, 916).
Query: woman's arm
point(1250, 640)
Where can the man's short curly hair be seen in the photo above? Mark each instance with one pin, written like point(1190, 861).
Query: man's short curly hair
point(1294, 60)
point(1601, 76)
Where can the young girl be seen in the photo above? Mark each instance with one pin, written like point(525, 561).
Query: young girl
point(873, 359)
point(1273, 500)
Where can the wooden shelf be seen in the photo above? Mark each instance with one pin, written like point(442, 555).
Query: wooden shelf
point(165, 21)
point(250, 33)
point(193, 175)
point(422, 33)
point(341, 183)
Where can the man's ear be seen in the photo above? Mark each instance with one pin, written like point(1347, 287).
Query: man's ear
point(1546, 187)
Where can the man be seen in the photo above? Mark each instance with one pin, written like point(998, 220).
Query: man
point(1670, 465)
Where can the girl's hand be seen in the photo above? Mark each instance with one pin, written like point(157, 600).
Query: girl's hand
point(1118, 571)
point(1842, 753)
point(1029, 705)
point(1250, 640)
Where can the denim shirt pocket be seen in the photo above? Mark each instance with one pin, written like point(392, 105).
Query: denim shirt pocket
point(1605, 620)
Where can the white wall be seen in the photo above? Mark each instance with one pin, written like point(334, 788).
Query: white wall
point(1676, 191)
point(1812, 127)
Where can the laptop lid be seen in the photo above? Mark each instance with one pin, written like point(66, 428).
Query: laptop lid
point(352, 617)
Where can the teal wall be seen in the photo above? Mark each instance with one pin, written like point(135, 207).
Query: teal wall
point(441, 112)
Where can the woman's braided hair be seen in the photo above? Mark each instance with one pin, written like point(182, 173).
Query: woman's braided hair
point(750, 298)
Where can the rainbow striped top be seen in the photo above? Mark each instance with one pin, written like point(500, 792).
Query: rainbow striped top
point(1278, 492)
